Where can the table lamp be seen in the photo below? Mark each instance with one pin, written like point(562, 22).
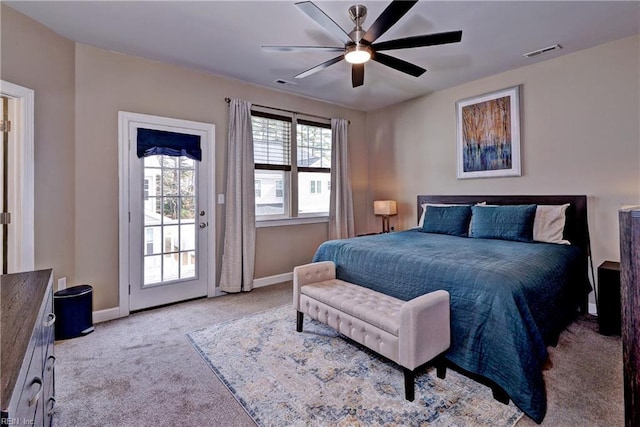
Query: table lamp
point(385, 209)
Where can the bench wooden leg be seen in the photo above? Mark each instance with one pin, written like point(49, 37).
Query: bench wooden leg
point(409, 384)
point(441, 367)
point(499, 394)
point(299, 319)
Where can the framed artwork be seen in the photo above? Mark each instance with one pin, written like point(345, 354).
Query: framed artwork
point(488, 135)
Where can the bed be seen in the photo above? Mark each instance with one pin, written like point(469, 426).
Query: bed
point(509, 299)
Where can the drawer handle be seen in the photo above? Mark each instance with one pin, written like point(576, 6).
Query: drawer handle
point(51, 319)
point(36, 396)
point(51, 410)
point(53, 362)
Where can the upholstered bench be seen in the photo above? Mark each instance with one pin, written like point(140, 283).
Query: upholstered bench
point(410, 333)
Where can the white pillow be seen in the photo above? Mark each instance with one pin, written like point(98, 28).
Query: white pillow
point(548, 225)
point(425, 205)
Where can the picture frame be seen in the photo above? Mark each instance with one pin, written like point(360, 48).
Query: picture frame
point(488, 135)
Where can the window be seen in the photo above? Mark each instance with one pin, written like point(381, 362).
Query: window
point(146, 188)
point(293, 166)
point(316, 187)
point(149, 240)
point(258, 185)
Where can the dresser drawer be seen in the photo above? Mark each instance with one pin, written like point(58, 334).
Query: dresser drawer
point(48, 373)
point(32, 394)
point(48, 328)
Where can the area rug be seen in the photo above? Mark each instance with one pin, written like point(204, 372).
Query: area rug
point(320, 378)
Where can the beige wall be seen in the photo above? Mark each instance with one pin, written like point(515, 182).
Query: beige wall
point(291, 245)
point(37, 58)
point(580, 135)
point(107, 82)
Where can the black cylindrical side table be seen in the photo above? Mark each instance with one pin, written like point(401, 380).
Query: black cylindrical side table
point(74, 311)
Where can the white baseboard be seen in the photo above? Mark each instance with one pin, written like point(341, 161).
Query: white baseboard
point(593, 309)
point(272, 280)
point(104, 315)
point(114, 313)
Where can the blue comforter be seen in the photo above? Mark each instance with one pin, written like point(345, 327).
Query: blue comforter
point(507, 298)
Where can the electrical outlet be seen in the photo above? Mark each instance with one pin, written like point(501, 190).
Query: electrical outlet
point(62, 283)
point(221, 199)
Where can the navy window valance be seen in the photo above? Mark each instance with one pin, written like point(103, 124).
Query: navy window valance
point(153, 142)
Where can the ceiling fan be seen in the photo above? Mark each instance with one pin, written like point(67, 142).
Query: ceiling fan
point(359, 46)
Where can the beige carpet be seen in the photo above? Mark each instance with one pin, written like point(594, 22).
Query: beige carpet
point(142, 371)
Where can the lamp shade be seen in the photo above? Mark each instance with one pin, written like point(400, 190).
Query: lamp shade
point(385, 207)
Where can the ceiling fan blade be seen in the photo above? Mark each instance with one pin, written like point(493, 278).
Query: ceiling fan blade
point(398, 64)
point(315, 13)
point(387, 18)
point(357, 75)
point(319, 67)
point(302, 49)
point(420, 41)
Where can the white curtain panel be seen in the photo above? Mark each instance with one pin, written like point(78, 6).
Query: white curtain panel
point(341, 224)
point(238, 257)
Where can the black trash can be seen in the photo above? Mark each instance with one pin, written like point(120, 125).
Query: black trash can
point(73, 308)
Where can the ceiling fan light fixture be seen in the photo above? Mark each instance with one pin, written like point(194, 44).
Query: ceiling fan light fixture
point(359, 46)
point(357, 54)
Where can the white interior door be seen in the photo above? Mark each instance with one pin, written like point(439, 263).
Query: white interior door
point(20, 169)
point(169, 237)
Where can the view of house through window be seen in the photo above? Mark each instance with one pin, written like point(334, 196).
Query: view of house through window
point(285, 160)
point(169, 219)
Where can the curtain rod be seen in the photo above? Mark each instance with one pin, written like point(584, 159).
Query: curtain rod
point(228, 100)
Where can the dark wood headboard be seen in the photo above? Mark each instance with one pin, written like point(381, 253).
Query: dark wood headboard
point(576, 228)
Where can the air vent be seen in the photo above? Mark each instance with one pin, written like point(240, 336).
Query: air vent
point(284, 82)
point(541, 51)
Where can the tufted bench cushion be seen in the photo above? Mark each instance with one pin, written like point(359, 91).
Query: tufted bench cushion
point(410, 333)
point(365, 304)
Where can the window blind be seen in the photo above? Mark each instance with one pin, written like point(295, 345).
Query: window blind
point(271, 141)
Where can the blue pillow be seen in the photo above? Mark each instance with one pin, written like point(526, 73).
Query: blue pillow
point(452, 220)
point(503, 222)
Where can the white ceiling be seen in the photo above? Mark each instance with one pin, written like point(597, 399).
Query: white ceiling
point(225, 38)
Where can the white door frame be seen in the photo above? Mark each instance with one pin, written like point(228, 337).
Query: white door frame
point(21, 191)
point(124, 120)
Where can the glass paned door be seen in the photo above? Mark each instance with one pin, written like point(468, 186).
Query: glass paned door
point(170, 206)
point(168, 199)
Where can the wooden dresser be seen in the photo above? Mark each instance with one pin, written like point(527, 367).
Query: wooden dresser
point(26, 352)
point(630, 294)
